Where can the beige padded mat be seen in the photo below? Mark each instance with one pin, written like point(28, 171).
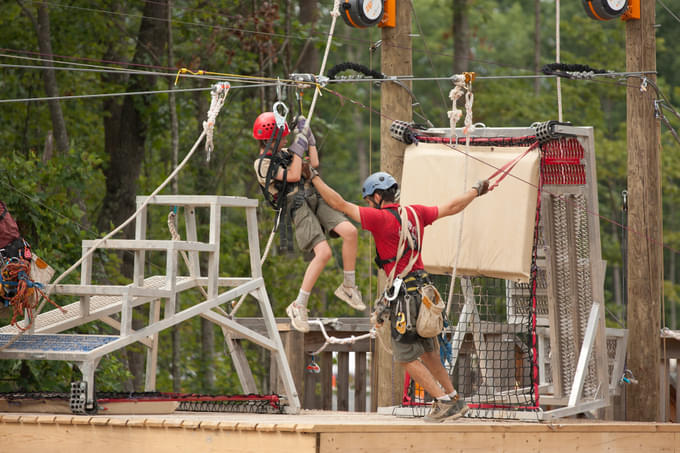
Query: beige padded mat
point(498, 228)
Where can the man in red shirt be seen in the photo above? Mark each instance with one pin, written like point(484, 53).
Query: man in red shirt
point(419, 356)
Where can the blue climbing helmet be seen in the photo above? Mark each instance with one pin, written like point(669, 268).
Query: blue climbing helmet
point(378, 181)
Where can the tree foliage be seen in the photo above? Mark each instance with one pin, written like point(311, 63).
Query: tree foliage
point(58, 201)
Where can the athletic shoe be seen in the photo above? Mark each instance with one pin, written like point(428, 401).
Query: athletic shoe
point(298, 317)
point(351, 295)
point(445, 410)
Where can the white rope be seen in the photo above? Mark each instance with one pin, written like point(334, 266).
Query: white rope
point(469, 127)
point(334, 340)
point(142, 207)
point(335, 13)
point(216, 103)
point(455, 113)
point(317, 92)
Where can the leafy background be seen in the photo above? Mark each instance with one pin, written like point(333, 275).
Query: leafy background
point(58, 197)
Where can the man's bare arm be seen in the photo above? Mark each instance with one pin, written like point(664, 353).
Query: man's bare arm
point(457, 204)
point(334, 199)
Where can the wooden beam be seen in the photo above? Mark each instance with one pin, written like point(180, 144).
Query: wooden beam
point(645, 271)
point(397, 60)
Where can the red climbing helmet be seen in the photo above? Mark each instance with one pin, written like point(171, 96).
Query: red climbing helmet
point(265, 125)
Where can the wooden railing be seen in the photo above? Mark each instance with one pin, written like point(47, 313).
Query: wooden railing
point(318, 386)
point(669, 406)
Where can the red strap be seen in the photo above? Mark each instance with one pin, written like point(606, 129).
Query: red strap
point(505, 169)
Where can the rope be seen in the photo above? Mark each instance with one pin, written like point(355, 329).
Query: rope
point(334, 340)
point(17, 273)
point(463, 84)
point(222, 92)
point(216, 103)
point(334, 14)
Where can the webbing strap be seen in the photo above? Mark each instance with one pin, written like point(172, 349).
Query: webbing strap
point(382, 262)
point(505, 169)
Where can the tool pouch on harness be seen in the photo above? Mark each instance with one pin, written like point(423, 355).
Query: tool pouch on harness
point(430, 320)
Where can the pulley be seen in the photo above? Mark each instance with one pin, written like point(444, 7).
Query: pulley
point(605, 9)
point(362, 13)
point(403, 132)
point(545, 131)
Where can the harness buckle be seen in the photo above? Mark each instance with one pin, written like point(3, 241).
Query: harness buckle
point(396, 287)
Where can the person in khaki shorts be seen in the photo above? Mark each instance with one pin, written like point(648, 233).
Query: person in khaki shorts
point(312, 218)
point(419, 356)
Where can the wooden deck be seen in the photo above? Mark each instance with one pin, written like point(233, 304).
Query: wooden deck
point(323, 432)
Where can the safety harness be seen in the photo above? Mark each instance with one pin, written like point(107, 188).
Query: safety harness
point(276, 191)
point(382, 262)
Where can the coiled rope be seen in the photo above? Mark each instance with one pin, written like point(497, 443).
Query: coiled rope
point(17, 273)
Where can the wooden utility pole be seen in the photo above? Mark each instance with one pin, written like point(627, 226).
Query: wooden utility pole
point(395, 104)
point(645, 271)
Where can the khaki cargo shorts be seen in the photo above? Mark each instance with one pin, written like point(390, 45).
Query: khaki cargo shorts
point(408, 352)
point(313, 220)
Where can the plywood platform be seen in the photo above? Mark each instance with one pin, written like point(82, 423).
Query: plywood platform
point(323, 432)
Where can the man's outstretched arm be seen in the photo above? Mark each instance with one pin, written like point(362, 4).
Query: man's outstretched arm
point(334, 199)
point(457, 204)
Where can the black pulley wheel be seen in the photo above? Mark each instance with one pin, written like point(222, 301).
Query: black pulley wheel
point(362, 13)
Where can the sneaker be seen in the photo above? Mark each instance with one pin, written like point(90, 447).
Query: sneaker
point(298, 317)
point(444, 410)
point(351, 295)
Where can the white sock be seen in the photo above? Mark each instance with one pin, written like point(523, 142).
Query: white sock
point(302, 298)
point(453, 394)
point(350, 279)
point(444, 398)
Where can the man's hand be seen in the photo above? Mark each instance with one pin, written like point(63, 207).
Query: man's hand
point(380, 314)
point(299, 128)
point(481, 187)
point(306, 172)
point(376, 320)
point(299, 145)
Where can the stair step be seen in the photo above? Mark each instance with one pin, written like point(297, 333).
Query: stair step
point(148, 244)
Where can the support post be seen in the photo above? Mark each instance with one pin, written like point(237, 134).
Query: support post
point(645, 276)
point(397, 60)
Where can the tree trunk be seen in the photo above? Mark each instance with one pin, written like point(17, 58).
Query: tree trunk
point(309, 56)
point(645, 273)
point(362, 147)
point(42, 29)
point(397, 60)
point(461, 37)
point(125, 136)
point(537, 44)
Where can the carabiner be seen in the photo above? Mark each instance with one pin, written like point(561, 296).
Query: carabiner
point(280, 117)
point(396, 287)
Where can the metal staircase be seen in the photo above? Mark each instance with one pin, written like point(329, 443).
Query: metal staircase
point(113, 304)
